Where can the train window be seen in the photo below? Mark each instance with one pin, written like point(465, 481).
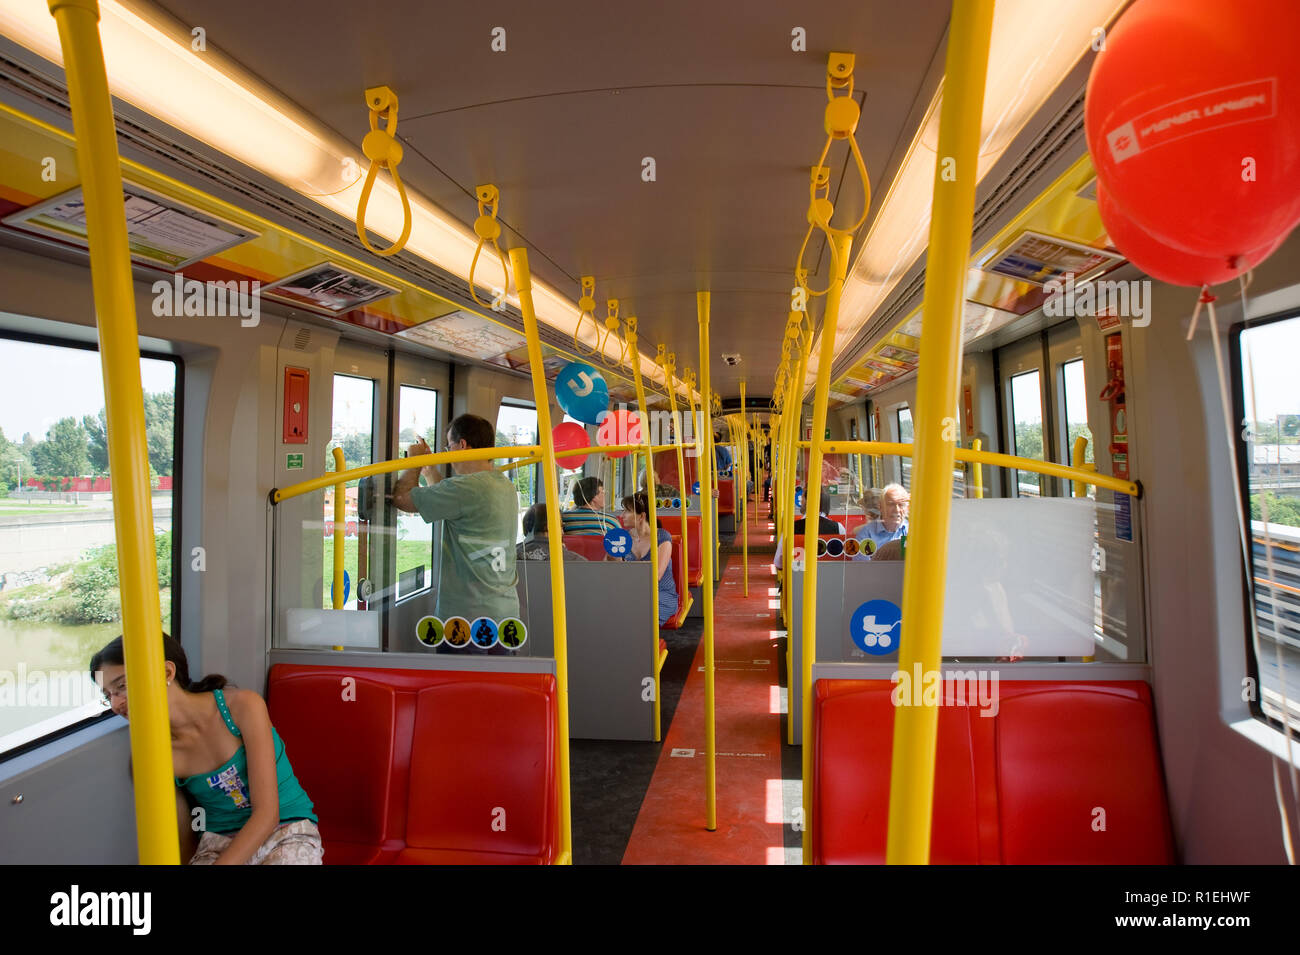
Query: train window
point(353, 431)
point(59, 600)
point(1076, 409)
point(1270, 449)
point(1027, 413)
point(417, 415)
point(516, 425)
point(905, 435)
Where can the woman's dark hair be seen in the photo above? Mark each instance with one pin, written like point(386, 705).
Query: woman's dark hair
point(638, 503)
point(586, 491)
point(173, 651)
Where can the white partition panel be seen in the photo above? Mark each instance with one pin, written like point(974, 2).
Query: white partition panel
point(1020, 578)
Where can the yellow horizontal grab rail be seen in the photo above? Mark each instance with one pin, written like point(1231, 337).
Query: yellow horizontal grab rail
point(402, 464)
point(521, 463)
point(989, 457)
point(606, 448)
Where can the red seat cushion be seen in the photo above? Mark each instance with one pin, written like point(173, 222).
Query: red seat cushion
point(499, 735)
point(851, 767)
point(683, 591)
point(1066, 751)
point(726, 496)
point(340, 740)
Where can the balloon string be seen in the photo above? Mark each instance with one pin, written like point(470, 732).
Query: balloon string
point(1272, 577)
point(1204, 299)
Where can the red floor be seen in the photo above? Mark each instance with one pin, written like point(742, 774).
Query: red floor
point(670, 828)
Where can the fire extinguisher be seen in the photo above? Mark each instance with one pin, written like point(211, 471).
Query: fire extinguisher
point(1114, 394)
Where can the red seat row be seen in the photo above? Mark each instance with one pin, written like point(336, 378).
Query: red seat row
point(683, 591)
point(586, 545)
point(424, 767)
point(726, 496)
point(1065, 772)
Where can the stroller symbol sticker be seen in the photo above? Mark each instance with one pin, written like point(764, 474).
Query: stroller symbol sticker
point(875, 627)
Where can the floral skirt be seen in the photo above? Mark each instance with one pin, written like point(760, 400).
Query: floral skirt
point(293, 843)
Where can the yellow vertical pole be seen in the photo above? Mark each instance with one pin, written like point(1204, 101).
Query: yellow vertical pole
point(340, 527)
point(978, 482)
point(128, 459)
point(812, 495)
point(707, 517)
point(559, 620)
point(743, 482)
point(717, 543)
point(652, 487)
point(670, 369)
point(911, 784)
point(795, 404)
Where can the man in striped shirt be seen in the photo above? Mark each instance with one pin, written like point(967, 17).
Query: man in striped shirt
point(588, 516)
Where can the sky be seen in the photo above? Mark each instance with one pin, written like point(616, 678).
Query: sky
point(39, 384)
point(1275, 360)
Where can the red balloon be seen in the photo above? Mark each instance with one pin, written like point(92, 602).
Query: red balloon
point(1167, 264)
point(619, 427)
point(1193, 121)
point(569, 437)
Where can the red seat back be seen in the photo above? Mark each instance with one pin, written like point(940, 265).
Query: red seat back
point(483, 766)
point(726, 496)
point(1072, 758)
point(340, 739)
point(683, 591)
point(588, 545)
point(672, 523)
point(851, 763)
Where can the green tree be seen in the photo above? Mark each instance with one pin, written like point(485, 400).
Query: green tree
point(97, 440)
point(1281, 510)
point(159, 428)
point(12, 462)
point(65, 450)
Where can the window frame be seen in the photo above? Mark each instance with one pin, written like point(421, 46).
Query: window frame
point(178, 415)
point(1247, 564)
point(398, 450)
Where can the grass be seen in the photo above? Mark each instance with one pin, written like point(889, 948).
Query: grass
point(38, 507)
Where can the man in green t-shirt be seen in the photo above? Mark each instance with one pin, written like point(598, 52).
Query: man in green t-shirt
point(480, 511)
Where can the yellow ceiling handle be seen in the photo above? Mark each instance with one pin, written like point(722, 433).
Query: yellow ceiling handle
point(820, 211)
point(611, 328)
point(384, 152)
point(488, 229)
point(841, 122)
point(587, 307)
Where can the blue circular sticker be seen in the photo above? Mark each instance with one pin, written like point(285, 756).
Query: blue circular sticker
point(695, 488)
point(582, 392)
point(875, 627)
point(677, 503)
point(798, 497)
point(618, 542)
point(483, 631)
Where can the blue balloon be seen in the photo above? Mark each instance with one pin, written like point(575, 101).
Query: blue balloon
point(618, 542)
point(582, 392)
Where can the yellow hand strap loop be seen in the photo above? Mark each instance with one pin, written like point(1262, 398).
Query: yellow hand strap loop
point(841, 122)
point(384, 152)
point(488, 229)
point(587, 308)
point(611, 328)
point(819, 210)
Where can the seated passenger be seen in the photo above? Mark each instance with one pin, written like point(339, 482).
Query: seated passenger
point(536, 545)
point(478, 506)
point(636, 518)
point(824, 526)
point(892, 524)
point(231, 763)
point(588, 517)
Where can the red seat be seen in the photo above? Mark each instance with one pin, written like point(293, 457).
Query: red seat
point(1064, 752)
point(683, 591)
point(499, 805)
point(851, 521)
point(672, 523)
point(855, 722)
point(726, 496)
point(587, 545)
point(1023, 786)
point(350, 733)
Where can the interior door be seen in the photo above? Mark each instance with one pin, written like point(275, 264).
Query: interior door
point(1023, 385)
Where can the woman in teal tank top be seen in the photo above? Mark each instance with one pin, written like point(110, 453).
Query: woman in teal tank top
point(230, 763)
